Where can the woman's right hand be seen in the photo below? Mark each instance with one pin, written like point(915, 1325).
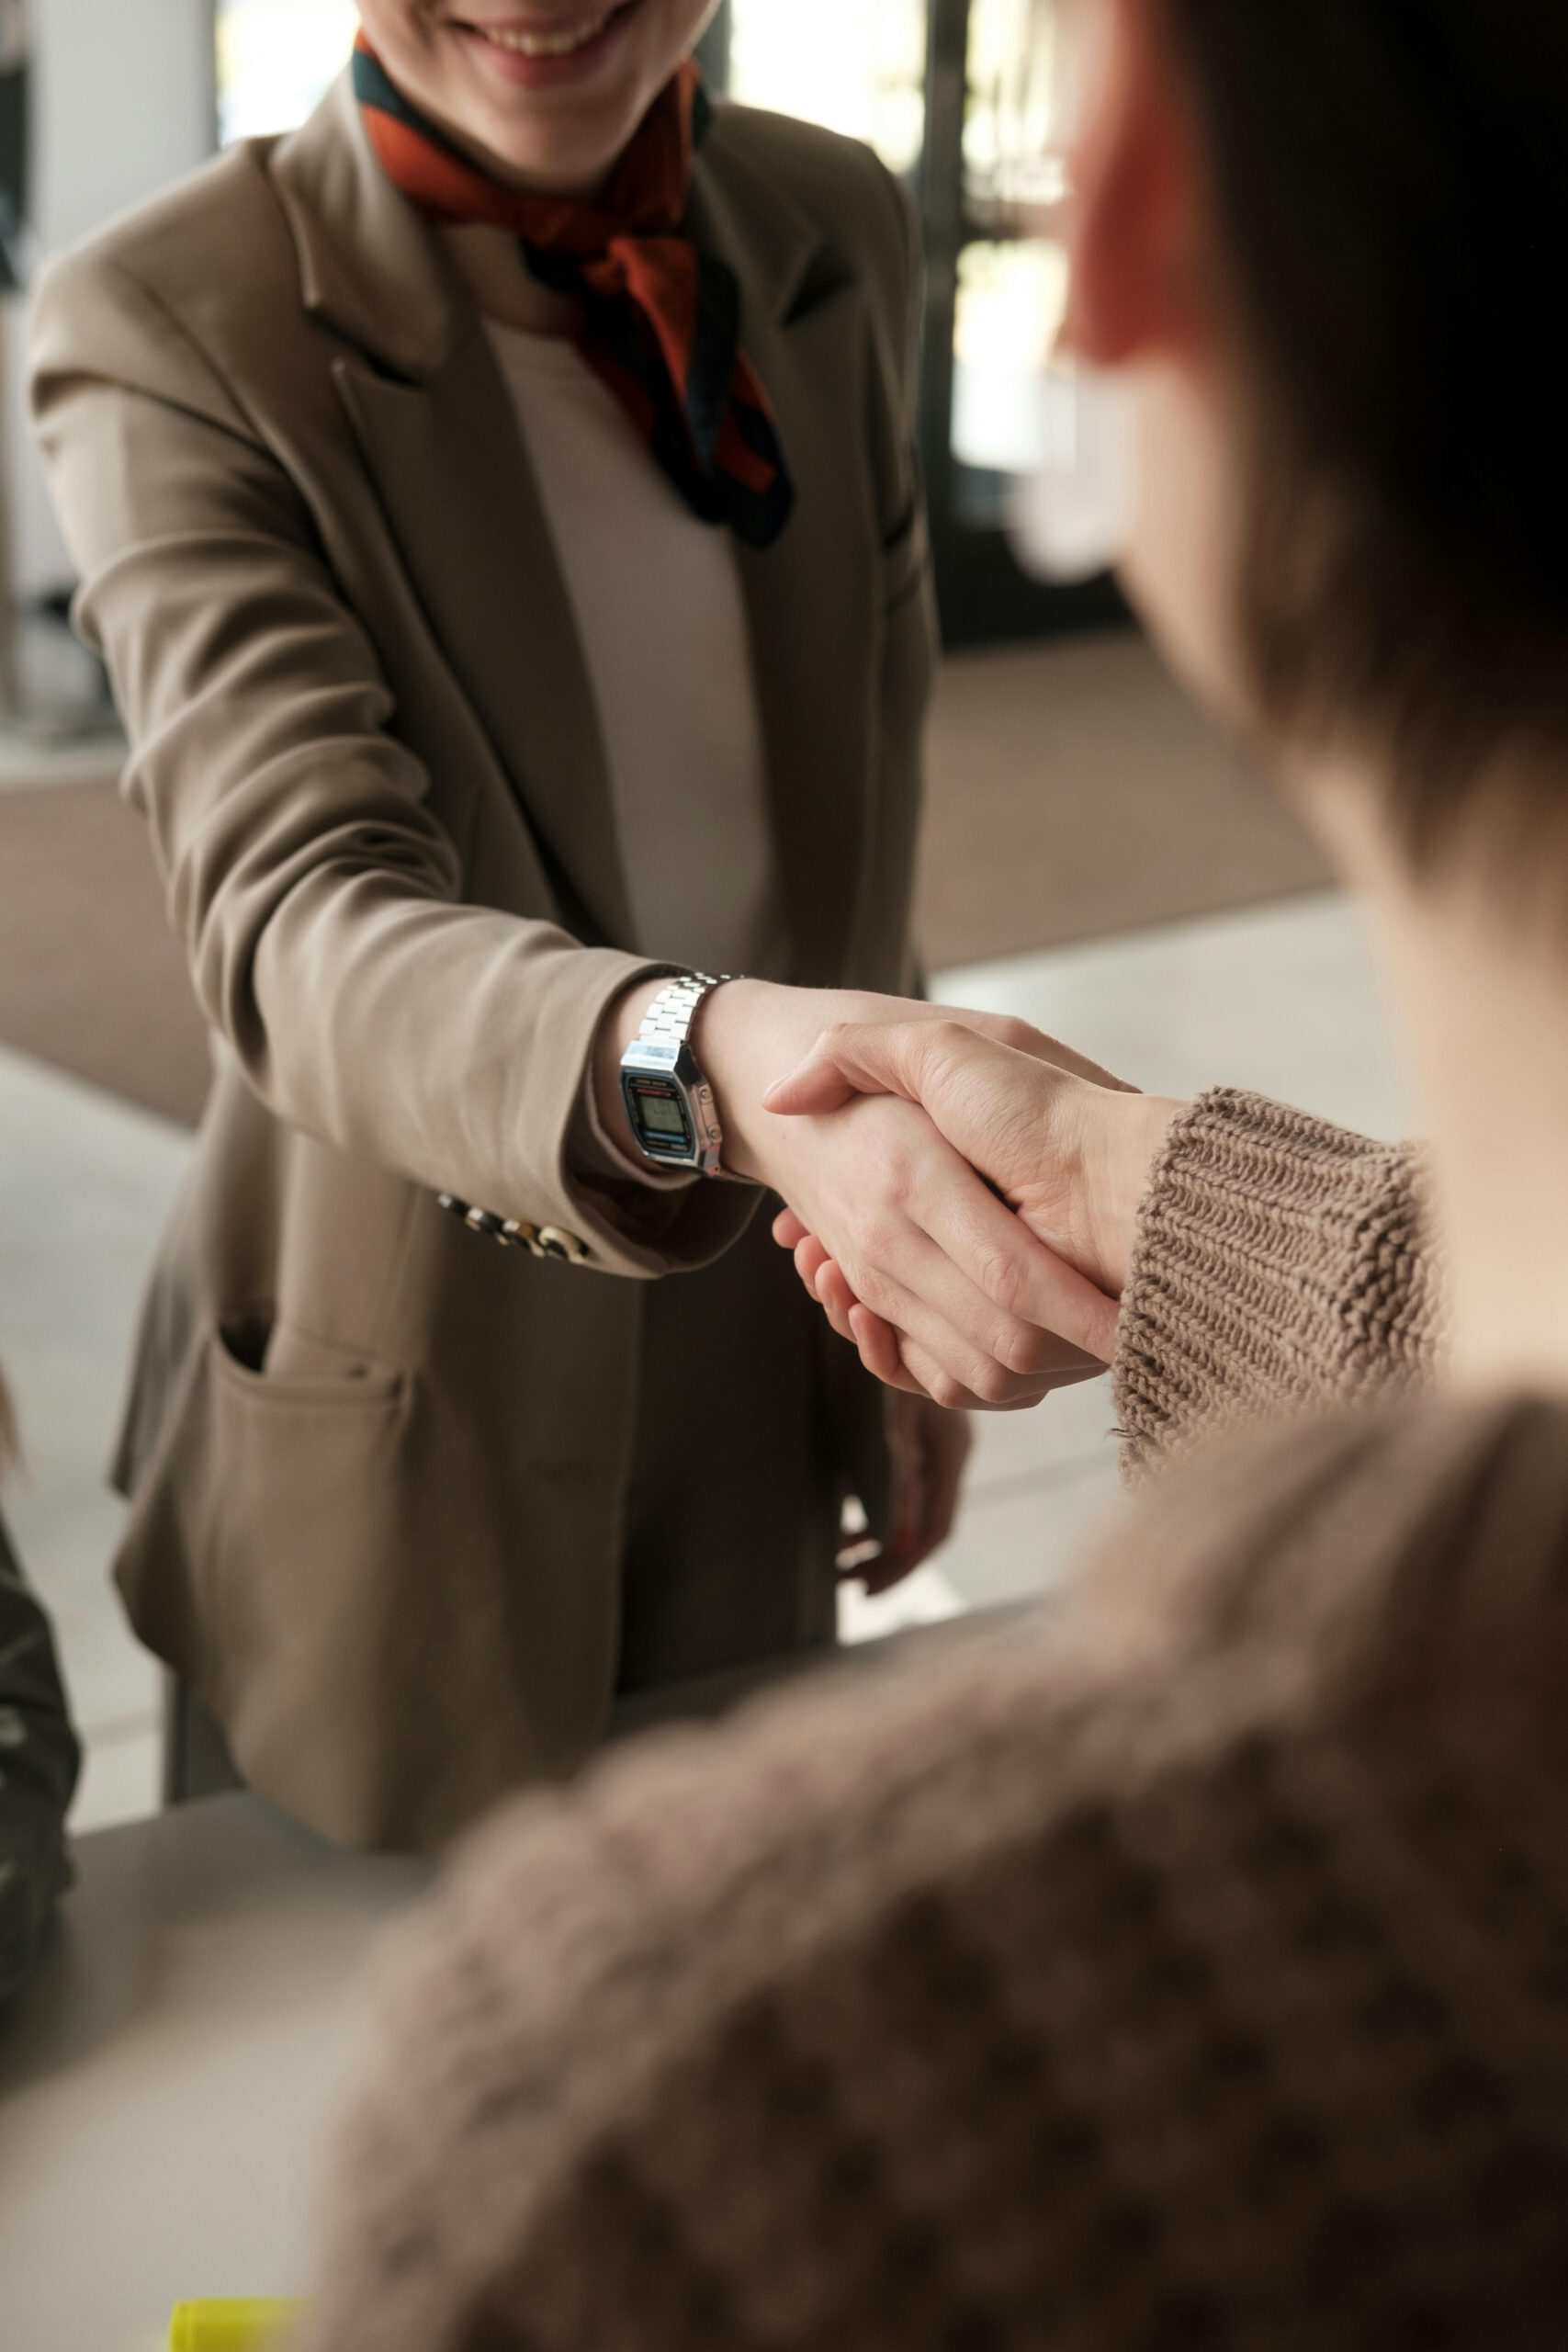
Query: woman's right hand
point(1070, 1154)
point(923, 1240)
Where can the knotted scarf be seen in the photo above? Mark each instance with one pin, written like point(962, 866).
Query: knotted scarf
point(660, 320)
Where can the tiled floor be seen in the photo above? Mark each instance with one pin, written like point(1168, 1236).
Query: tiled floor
point(1279, 998)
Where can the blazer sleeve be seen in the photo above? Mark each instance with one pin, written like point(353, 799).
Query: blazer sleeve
point(1282, 1266)
point(317, 894)
point(39, 1764)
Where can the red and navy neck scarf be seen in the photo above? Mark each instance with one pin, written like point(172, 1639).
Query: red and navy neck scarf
point(661, 321)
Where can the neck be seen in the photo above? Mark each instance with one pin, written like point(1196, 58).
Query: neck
point(1481, 985)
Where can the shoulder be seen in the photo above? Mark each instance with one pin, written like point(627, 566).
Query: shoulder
point(1297, 1588)
point(1339, 1555)
point(840, 185)
point(201, 261)
point(1152, 1789)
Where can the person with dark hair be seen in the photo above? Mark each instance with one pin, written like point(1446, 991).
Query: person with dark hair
point(39, 1760)
point(1191, 1969)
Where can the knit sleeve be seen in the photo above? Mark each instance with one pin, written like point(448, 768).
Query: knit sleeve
point(1281, 1265)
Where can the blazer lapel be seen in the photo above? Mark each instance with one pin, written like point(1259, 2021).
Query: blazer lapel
point(435, 424)
point(814, 611)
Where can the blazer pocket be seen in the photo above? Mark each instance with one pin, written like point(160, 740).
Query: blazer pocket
point(303, 1484)
point(278, 1363)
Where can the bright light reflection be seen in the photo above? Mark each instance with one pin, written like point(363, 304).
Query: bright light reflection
point(856, 66)
point(1010, 303)
point(276, 58)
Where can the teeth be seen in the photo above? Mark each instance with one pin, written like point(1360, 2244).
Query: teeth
point(556, 44)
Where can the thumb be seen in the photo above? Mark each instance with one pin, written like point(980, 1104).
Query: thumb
point(852, 1057)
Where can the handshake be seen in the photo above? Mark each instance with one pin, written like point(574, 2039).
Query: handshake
point(961, 1191)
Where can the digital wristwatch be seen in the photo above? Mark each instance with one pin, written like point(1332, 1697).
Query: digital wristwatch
point(669, 1102)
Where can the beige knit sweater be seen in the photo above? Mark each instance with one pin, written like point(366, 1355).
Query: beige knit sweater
point(1282, 1267)
point(1189, 1971)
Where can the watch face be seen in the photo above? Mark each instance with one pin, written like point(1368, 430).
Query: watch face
point(658, 1115)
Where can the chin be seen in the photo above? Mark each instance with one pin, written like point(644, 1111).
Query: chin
point(566, 130)
point(563, 146)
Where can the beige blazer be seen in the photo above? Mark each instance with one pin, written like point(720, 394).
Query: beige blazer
point(378, 1466)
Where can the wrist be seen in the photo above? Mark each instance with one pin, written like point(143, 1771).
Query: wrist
point(743, 1038)
point(1120, 1146)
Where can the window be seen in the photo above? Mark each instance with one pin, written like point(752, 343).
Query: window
point(857, 66)
point(274, 60)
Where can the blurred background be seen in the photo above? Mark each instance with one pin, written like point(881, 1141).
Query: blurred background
point(1095, 858)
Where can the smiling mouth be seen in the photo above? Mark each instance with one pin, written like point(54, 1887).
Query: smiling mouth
point(557, 40)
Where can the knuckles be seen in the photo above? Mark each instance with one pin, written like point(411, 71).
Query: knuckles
point(1028, 1351)
point(876, 1240)
point(993, 1383)
point(1002, 1278)
point(1021, 1035)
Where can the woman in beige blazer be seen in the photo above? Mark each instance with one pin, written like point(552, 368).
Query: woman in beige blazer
point(407, 1513)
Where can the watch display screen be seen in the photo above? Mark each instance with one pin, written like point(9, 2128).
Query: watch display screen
point(660, 1117)
point(663, 1118)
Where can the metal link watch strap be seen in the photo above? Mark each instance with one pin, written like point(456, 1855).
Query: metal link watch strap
point(668, 1021)
point(666, 1030)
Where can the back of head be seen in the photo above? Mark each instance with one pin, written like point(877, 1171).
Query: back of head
point(1388, 184)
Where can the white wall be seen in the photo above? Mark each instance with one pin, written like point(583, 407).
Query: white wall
point(122, 105)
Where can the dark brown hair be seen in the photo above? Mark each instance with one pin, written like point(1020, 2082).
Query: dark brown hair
point(1391, 183)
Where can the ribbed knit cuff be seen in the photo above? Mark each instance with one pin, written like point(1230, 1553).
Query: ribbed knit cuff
point(1280, 1265)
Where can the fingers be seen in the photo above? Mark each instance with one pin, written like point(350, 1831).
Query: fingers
point(839, 1301)
point(924, 1369)
point(971, 1372)
point(789, 1230)
point(930, 1300)
point(931, 1249)
point(930, 1449)
point(880, 1352)
point(887, 1354)
point(810, 1258)
point(1040, 1298)
point(852, 1057)
point(921, 1241)
point(896, 1057)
